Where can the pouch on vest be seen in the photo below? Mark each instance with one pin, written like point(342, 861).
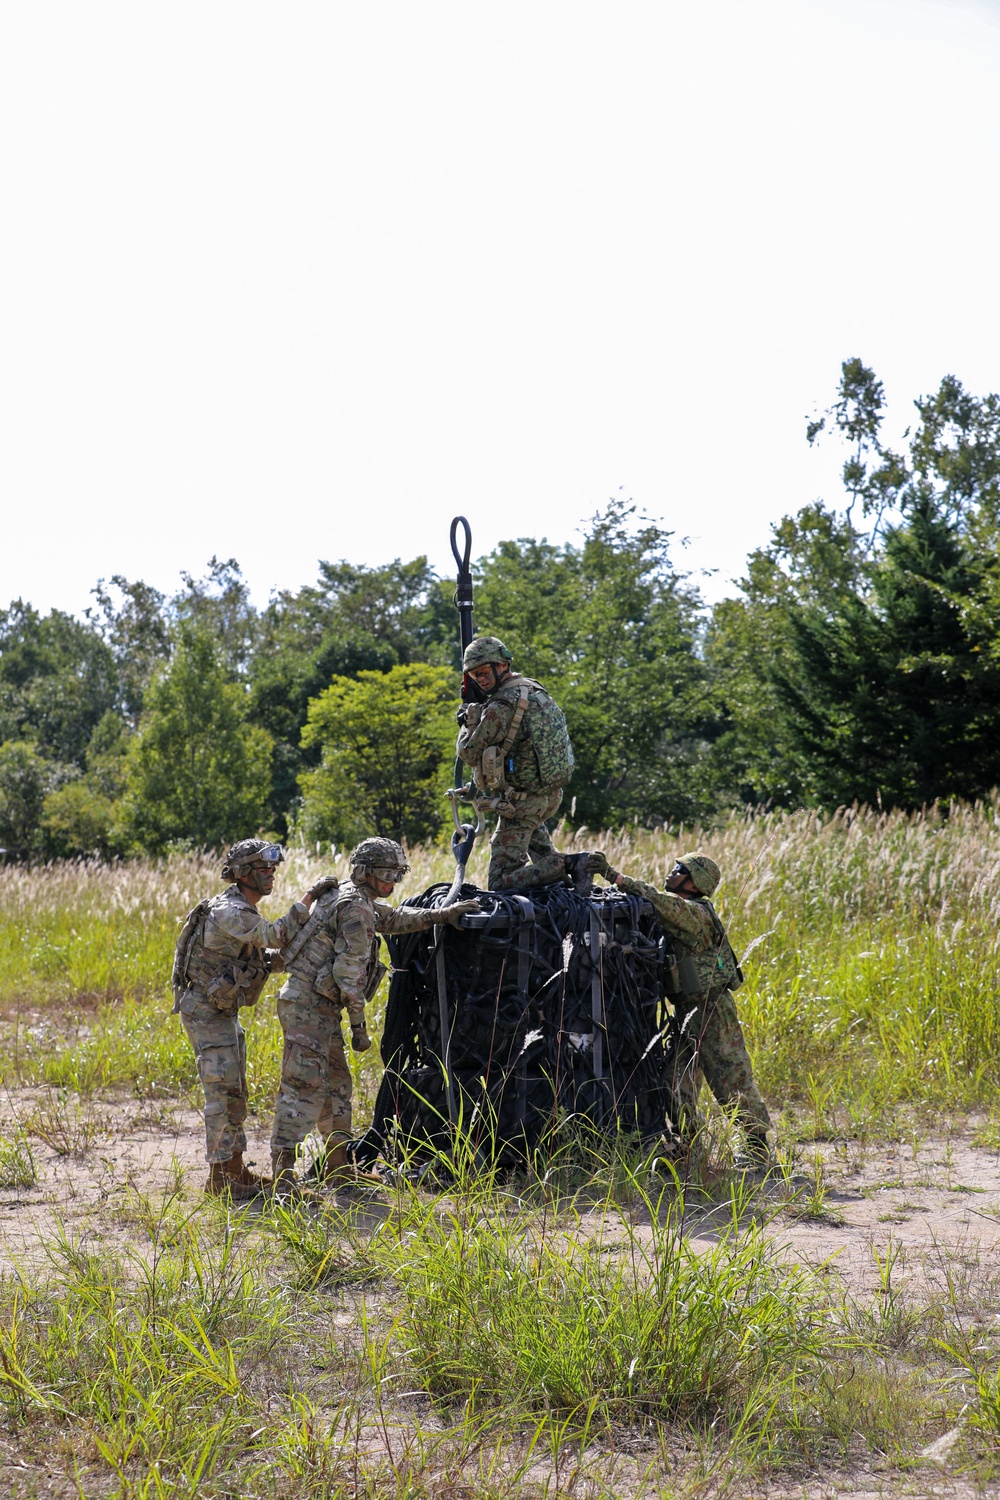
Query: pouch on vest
point(238, 985)
point(378, 974)
point(324, 984)
point(681, 977)
point(491, 767)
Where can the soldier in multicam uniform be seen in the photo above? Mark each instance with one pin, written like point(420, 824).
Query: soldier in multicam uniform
point(514, 737)
point(224, 955)
point(707, 1035)
point(332, 963)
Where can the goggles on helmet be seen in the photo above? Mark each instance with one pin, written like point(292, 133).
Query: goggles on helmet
point(265, 858)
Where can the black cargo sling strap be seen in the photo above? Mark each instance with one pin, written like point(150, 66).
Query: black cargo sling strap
point(447, 1021)
point(597, 1006)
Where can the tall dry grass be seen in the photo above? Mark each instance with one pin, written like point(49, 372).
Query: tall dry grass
point(871, 982)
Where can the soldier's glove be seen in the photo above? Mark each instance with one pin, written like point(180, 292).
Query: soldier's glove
point(597, 864)
point(360, 1040)
point(456, 911)
point(324, 883)
point(275, 961)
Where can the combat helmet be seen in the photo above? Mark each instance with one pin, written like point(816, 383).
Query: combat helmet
point(247, 853)
point(383, 858)
point(704, 872)
point(483, 651)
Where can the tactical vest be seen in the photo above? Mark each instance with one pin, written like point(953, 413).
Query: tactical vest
point(536, 754)
point(229, 981)
point(310, 956)
point(688, 974)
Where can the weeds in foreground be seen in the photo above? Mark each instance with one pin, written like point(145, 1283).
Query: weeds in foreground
point(463, 1342)
point(17, 1161)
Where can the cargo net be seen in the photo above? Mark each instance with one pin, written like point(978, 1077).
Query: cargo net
point(535, 1011)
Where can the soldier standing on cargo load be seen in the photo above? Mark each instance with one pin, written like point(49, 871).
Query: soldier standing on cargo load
point(514, 737)
point(222, 960)
point(332, 962)
point(706, 1032)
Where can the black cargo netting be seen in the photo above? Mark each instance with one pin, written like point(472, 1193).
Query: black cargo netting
point(533, 1029)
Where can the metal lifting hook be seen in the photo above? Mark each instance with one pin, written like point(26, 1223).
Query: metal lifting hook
point(464, 838)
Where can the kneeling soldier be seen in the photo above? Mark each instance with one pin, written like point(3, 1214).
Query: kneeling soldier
point(332, 963)
point(222, 961)
point(707, 1035)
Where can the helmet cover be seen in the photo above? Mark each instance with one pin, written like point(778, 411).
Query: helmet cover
point(704, 872)
point(382, 857)
point(247, 853)
point(483, 651)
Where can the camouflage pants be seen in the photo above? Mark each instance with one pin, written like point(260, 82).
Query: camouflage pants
point(315, 1078)
point(708, 1041)
point(522, 836)
point(221, 1051)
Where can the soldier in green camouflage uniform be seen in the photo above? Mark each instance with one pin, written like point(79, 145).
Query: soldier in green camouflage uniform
point(708, 1038)
point(333, 963)
point(514, 738)
point(224, 955)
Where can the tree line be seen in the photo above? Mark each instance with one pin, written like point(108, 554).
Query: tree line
point(859, 660)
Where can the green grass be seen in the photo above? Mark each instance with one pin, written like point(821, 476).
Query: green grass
point(501, 1338)
point(464, 1344)
point(873, 983)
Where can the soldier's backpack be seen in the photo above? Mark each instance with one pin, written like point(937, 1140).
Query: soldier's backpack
point(545, 738)
point(193, 923)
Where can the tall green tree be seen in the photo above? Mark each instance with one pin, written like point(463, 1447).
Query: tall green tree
point(57, 680)
point(25, 778)
point(352, 620)
point(197, 771)
point(861, 660)
point(386, 744)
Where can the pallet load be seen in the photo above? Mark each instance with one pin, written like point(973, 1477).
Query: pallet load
point(533, 1011)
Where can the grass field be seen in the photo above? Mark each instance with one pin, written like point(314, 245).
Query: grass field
point(580, 1335)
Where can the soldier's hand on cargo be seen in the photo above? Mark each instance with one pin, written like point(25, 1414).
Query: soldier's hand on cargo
point(597, 864)
point(360, 1040)
point(323, 884)
point(459, 909)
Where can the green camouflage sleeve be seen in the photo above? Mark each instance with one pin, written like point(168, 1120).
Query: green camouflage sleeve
point(243, 923)
point(400, 918)
point(685, 919)
point(353, 947)
point(491, 730)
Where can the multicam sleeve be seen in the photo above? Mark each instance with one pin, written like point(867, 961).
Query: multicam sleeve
point(491, 730)
point(243, 923)
point(389, 919)
point(684, 919)
point(353, 947)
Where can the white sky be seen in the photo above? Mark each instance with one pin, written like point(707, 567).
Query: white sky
point(298, 281)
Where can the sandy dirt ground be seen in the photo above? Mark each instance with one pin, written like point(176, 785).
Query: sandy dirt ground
point(932, 1201)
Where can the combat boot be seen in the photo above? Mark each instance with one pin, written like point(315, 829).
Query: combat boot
point(231, 1179)
point(237, 1171)
point(283, 1183)
point(756, 1161)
